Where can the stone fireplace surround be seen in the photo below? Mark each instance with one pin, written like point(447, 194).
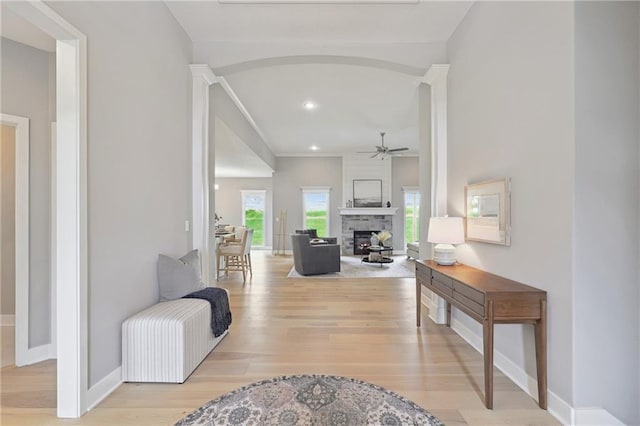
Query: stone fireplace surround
point(369, 222)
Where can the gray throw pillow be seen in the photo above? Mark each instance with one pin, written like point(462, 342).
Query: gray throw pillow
point(179, 277)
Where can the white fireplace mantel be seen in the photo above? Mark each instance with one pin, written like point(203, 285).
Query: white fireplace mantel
point(372, 211)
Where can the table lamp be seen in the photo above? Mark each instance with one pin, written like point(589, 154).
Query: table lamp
point(444, 232)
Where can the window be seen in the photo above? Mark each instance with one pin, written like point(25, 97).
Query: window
point(315, 209)
point(253, 214)
point(411, 215)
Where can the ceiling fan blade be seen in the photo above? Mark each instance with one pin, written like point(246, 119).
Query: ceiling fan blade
point(374, 155)
point(398, 149)
point(380, 148)
point(366, 152)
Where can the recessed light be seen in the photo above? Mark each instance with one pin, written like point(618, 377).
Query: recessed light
point(314, 148)
point(216, 186)
point(309, 105)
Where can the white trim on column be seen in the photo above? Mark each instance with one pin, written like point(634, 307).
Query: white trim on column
point(202, 78)
point(436, 78)
point(21, 125)
point(71, 203)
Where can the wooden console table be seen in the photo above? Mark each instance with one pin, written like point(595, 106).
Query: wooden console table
point(489, 299)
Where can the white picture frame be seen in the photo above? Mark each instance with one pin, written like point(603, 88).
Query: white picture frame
point(488, 211)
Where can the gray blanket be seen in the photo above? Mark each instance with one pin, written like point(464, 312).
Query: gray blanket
point(220, 312)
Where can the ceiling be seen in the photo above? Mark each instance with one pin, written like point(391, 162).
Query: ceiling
point(360, 63)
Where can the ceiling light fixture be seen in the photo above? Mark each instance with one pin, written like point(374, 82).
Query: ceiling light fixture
point(314, 148)
point(309, 105)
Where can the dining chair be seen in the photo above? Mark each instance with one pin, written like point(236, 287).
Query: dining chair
point(236, 257)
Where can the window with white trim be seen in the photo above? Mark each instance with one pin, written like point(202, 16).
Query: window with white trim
point(315, 209)
point(411, 214)
point(253, 213)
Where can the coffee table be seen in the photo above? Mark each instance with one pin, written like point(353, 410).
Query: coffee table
point(380, 250)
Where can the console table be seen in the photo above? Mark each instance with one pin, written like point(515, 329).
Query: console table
point(489, 299)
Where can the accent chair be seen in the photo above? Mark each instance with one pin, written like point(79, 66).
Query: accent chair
point(314, 259)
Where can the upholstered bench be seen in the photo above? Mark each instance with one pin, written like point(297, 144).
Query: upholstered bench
point(413, 250)
point(167, 341)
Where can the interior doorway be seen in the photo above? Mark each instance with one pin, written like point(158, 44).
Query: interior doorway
point(8, 239)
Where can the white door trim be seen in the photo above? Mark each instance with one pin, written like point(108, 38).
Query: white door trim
point(201, 204)
point(21, 125)
point(71, 203)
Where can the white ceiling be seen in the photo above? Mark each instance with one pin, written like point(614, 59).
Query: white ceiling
point(18, 29)
point(361, 63)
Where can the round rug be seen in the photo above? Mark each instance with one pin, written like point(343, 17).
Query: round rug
point(310, 400)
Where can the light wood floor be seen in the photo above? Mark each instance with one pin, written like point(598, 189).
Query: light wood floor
point(356, 328)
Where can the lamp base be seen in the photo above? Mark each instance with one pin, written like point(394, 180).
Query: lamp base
point(444, 254)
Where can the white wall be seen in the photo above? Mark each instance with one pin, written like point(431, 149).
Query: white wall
point(229, 201)
point(139, 86)
point(511, 114)
point(607, 335)
point(291, 174)
point(26, 92)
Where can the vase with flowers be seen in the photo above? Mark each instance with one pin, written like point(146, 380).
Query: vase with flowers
point(383, 237)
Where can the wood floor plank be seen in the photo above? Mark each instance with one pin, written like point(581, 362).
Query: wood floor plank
point(358, 328)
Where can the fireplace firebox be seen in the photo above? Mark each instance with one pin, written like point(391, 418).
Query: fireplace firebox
point(359, 238)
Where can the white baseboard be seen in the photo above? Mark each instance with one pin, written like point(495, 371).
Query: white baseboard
point(557, 407)
point(103, 388)
point(595, 416)
point(34, 355)
point(7, 319)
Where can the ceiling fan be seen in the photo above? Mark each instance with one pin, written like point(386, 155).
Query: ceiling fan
point(382, 150)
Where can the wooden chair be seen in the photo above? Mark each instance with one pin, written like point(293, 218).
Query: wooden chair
point(236, 257)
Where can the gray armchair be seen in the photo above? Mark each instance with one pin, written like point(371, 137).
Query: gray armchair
point(314, 259)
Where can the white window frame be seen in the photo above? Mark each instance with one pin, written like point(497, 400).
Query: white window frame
point(408, 190)
point(316, 190)
point(248, 192)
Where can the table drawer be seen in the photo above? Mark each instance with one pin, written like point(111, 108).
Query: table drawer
point(441, 288)
point(442, 279)
point(465, 301)
point(469, 292)
point(422, 274)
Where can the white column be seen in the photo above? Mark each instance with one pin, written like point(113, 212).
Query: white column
point(203, 77)
point(436, 78)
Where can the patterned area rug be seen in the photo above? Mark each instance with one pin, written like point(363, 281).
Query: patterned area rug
point(353, 267)
point(310, 400)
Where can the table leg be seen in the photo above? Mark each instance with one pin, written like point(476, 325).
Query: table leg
point(540, 328)
point(448, 313)
point(418, 301)
point(487, 331)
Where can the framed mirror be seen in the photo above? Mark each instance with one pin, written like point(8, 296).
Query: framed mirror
point(488, 212)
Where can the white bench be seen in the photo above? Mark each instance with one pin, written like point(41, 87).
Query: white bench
point(167, 341)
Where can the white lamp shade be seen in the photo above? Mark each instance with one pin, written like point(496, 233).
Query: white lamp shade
point(445, 230)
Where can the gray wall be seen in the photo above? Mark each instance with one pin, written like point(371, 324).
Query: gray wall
point(8, 220)
point(511, 114)
point(404, 172)
point(139, 125)
point(228, 112)
point(606, 208)
point(228, 201)
point(26, 93)
point(295, 172)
